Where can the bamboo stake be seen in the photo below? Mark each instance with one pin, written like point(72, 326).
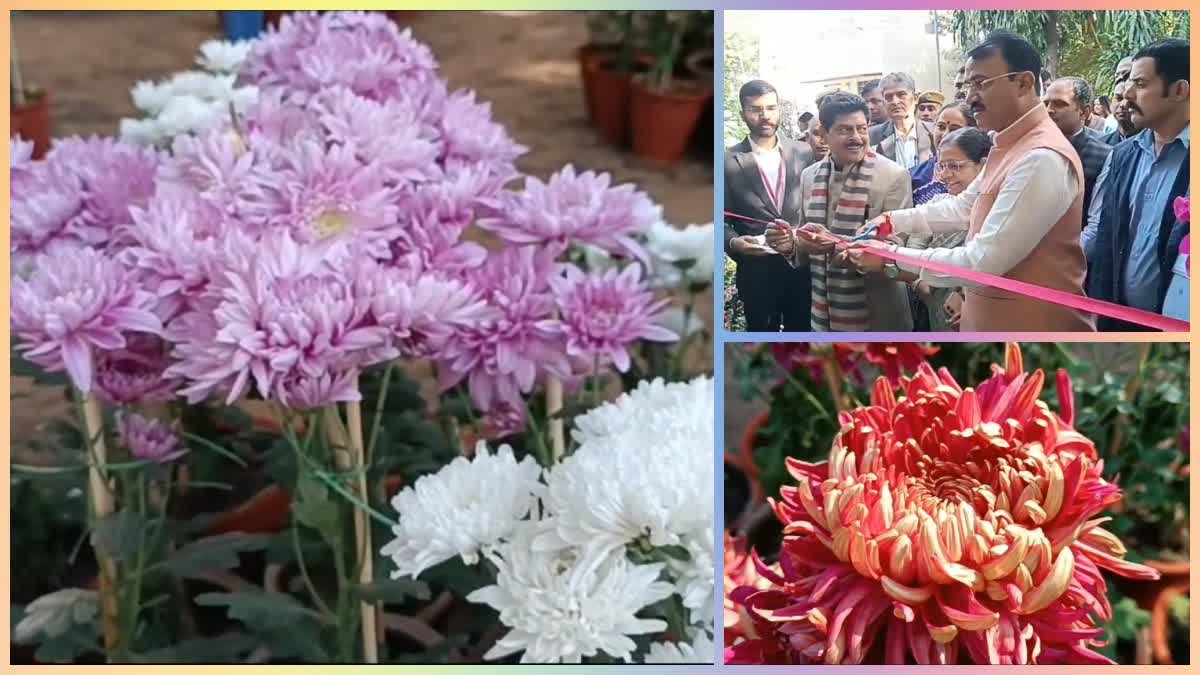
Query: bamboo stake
point(103, 505)
point(362, 532)
point(347, 442)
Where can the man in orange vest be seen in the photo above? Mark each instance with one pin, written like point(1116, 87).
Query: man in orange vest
point(1021, 213)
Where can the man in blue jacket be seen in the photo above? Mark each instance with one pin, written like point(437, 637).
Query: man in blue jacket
point(1136, 238)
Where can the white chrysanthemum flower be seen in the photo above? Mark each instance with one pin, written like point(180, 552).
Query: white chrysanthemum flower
point(643, 469)
point(669, 246)
point(188, 102)
point(53, 614)
point(695, 580)
point(465, 507)
point(561, 608)
point(699, 650)
point(220, 56)
point(652, 405)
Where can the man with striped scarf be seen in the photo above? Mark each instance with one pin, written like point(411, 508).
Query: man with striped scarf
point(840, 193)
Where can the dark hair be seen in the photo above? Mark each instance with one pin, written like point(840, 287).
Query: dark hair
point(838, 104)
point(754, 89)
point(869, 85)
point(903, 79)
point(964, 109)
point(974, 142)
point(1170, 60)
point(1081, 90)
point(1106, 104)
point(1016, 51)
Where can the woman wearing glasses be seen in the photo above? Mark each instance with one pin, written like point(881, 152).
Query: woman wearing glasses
point(961, 153)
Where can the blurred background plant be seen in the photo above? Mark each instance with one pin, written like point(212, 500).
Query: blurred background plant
point(1130, 399)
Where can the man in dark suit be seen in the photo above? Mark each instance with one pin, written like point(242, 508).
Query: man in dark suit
point(762, 181)
point(1068, 100)
point(904, 139)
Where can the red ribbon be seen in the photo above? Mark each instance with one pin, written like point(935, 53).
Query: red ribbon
point(1051, 295)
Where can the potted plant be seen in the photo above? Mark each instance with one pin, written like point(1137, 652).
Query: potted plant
point(667, 106)
point(29, 111)
point(607, 65)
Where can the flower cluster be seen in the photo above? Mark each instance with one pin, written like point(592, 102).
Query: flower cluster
point(312, 225)
point(579, 550)
point(850, 358)
point(949, 525)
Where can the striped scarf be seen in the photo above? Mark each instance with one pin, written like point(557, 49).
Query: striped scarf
point(839, 293)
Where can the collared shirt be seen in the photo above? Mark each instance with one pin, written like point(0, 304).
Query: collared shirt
point(1152, 181)
point(907, 154)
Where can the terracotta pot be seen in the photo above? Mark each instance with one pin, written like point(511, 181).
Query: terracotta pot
point(589, 56)
point(32, 122)
point(1155, 597)
point(663, 121)
point(611, 96)
point(268, 510)
point(744, 459)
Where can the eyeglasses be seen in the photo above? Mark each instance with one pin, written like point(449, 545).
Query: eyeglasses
point(973, 86)
point(950, 167)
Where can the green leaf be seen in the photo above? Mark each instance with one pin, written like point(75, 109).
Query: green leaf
point(438, 654)
point(79, 640)
point(675, 552)
point(314, 509)
point(394, 590)
point(258, 609)
point(227, 648)
point(119, 535)
point(457, 576)
point(302, 641)
point(214, 553)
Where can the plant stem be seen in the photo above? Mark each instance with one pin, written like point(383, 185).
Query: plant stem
point(103, 505)
point(554, 403)
point(543, 452)
point(338, 436)
point(833, 377)
point(375, 424)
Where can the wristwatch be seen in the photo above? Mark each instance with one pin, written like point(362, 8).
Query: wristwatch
point(891, 270)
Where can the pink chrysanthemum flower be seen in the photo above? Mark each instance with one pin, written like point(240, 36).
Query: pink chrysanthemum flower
point(302, 392)
point(112, 175)
point(423, 311)
point(76, 302)
point(948, 526)
point(603, 314)
point(325, 193)
point(134, 374)
point(386, 133)
point(290, 312)
point(20, 158)
point(502, 358)
point(47, 202)
point(572, 209)
point(503, 420)
point(472, 137)
point(363, 51)
point(740, 570)
point(149, 439)
point(431, 243)
point(173, 244)
point(219, 167)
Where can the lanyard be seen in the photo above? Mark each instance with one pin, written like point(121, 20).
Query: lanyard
point(774, 192)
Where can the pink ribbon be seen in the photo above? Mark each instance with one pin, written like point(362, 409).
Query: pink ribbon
point(1078, 302)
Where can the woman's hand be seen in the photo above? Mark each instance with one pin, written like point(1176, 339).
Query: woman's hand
point(871, 225)
point(953, 308)
point(859, 254)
